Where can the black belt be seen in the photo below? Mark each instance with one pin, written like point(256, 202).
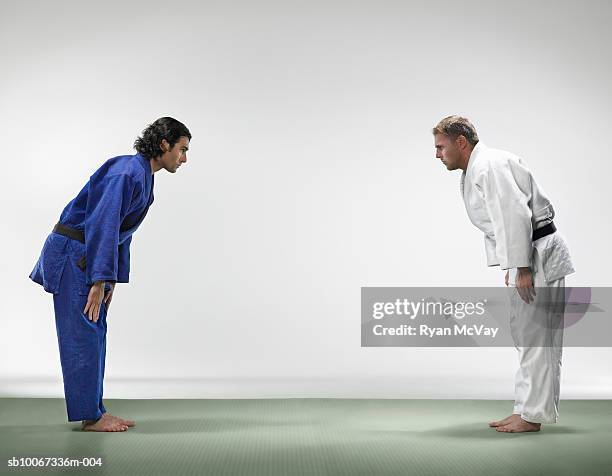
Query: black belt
point(544, 231)
point(74, 234)
point(69, 232)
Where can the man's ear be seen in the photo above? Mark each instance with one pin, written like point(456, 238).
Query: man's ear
point(164, 146)
point(462, 142)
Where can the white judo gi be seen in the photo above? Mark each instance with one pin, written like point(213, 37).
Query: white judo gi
point(504, 201)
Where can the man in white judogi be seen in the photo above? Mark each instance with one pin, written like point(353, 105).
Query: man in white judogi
point(504, 201)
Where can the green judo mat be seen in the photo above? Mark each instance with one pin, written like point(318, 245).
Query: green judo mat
point(307, 436)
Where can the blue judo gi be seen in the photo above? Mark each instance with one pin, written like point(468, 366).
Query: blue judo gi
point(108, 209)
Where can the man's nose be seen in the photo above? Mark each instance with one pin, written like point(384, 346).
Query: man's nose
point(184, 157)
point(438, 154)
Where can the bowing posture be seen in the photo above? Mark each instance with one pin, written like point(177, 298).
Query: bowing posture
point(88, 251)
point(505, 202)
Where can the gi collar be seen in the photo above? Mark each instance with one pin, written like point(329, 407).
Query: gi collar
point(146, 163)
point(475, 151)
point(478, 148)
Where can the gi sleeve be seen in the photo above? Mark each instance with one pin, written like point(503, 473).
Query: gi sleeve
point(123, 270)
point(510, 214)
point(108, 202)
point(490, 251)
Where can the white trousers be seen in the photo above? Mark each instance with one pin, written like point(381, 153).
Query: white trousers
point(537, 331)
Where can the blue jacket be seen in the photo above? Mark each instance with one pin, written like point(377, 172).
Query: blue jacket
point(109, 209)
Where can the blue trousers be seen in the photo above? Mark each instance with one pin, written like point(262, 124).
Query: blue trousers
point(82, 343)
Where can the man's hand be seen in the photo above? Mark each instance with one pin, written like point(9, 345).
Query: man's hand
point(94, 301)
point(524, 284)
point(109, 295)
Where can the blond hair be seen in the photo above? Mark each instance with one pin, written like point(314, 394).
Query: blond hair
point(455, 126)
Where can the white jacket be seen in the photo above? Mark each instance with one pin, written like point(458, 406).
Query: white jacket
point(504, 201)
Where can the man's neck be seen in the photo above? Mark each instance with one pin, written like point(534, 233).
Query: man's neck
point(154, 166)
point(466, 159)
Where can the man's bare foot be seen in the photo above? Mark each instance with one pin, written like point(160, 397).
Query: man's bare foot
point(520, 426)
point(130, 423)
point(105, 423)
point(505, 421)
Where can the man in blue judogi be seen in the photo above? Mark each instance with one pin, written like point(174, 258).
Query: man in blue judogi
point(88, 251)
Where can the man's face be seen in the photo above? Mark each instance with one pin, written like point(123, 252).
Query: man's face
point(174, 157)
point(448, 151)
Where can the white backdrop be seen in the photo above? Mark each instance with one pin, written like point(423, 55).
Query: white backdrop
point(311, 173)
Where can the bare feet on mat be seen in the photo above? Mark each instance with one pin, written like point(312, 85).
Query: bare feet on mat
point(130, 423)
point(105, 423)
point(519, 426)
point(505, 421)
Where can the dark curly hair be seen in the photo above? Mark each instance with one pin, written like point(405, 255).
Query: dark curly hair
point(149, 144)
